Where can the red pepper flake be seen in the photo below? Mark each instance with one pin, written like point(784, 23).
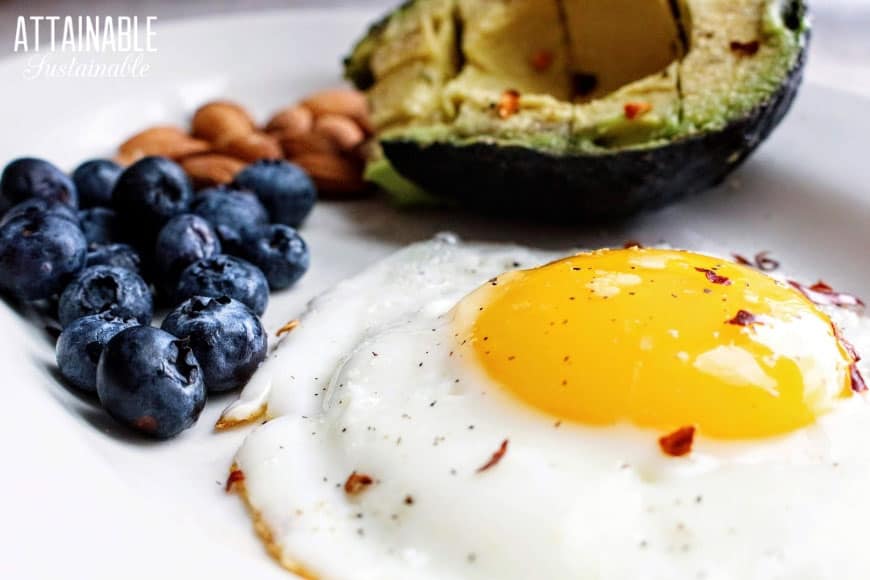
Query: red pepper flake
point(634, 110)
point(858, 384)
point(236, 476)
point(543, 60)
point(496, 457)
point(632, 244)
point(745, 48)
point(765, 263)
point(741, 260)
point(714, 277)
point(847, 346)
point(509, 104)
point(761, 261)
point(678, 443)
point(822, 294)
point(744, 318)
point(357, 483)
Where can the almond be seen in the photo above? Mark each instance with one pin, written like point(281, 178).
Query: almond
point(221, 121)
point(344, 131)
point(335, 176)
point(297, 145)
point(253, 147)
point(368, 150)
point(211, 169)
point(291, 121)
point(165, 140)
point(344, 102)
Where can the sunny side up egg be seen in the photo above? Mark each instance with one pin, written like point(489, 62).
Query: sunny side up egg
point(480, 411)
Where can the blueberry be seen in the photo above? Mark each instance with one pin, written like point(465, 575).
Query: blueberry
point(118, 255)
point(100, 225)
point(149, 193)
point(184, 240)
point(227, 338)
point(224, 275)
point(94, 181)
point(40, 205)
point(150, 380)
point(106, 289)
point(231, 212)
point(81, 344)
point(39, 255)
point(284, 189)
point(280, 253)
point(27, 177)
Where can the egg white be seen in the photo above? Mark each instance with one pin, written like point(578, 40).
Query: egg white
point(371, 382)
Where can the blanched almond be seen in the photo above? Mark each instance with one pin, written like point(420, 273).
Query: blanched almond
point(291, 121)
point(345, 102)
point(168, 141)
point(211, 169)
point(335, 176)
point(252, 147)
point(346, 133)
point(307, 143)
point(221, 121)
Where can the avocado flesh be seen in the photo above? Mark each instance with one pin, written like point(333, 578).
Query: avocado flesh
point(574, 136)
point(441, 66)
point(719, 83)
point(500, 41)
point(414, 58)
point(616, 42)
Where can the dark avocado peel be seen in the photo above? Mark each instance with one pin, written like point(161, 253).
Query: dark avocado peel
point(658, 104)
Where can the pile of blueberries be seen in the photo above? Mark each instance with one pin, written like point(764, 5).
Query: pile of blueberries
point(105, 245)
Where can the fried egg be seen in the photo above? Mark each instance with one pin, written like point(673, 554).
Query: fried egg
point(485, 411)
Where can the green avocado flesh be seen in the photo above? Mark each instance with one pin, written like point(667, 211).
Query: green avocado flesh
point(437, 70)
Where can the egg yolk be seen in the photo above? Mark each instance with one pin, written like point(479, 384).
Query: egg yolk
point(660, 338)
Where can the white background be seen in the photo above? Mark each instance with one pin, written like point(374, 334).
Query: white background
point(100, 511)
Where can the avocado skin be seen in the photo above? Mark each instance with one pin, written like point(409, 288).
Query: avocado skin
point(519, 181)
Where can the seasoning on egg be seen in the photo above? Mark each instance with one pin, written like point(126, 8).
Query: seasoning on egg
point(714, 277)
point(765, 263)
point(236, 476)
point(858, 384)
point(678, 443)
point(357, 483)
point(744, 318)
point(761, 261)
point(855, 376)
point(496, 457)
point(822, 294)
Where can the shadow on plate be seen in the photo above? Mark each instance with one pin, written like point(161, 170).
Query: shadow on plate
point(763, 201)
point(54, 372)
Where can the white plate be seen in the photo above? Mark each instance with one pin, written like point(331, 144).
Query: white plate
point(79, 499)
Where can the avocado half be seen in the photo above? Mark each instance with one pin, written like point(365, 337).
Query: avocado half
point(577, 109)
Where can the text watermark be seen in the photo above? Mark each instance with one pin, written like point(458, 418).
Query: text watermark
point(86, 46)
